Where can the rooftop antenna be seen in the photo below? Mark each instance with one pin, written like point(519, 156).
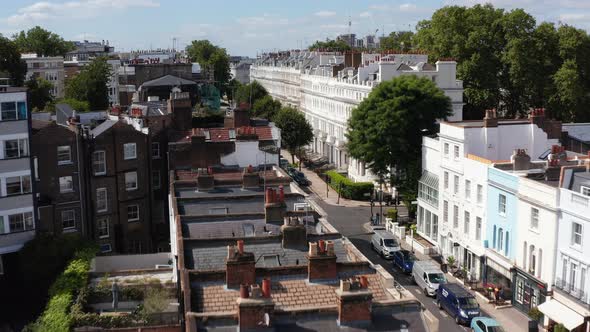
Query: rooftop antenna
point(349, 35)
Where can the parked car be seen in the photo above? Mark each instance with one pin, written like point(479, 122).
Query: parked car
point(384, 243)
point(300, 178)
point(428, 276)
point(485, 324)
point(404, 260)
point(458, 302)
point(283, 163)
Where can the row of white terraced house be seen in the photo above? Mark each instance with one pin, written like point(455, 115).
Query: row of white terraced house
point(328, 86)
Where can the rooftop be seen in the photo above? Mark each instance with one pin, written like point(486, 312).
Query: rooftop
point(578, 131)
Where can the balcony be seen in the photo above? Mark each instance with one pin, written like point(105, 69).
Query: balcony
point(11, 242)
point(572, 293)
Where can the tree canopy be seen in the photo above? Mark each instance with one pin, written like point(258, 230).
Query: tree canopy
point(509, 62)
point(39, 92)
point(385, 131)
point(296, 132)
point(42, 42)
point(333, 45)
point(397, 40)
point(211, 58)
point(91, 84)
point(266, 108)
point(250, 93)
point(11, 62)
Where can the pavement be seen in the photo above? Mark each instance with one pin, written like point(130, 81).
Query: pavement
point(349, 216)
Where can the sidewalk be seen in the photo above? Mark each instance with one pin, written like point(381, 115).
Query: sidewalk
point(510, 318)
point(323, 191)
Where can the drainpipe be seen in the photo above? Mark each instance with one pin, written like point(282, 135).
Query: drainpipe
point(82, 202)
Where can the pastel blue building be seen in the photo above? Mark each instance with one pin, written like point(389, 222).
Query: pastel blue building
point(501, 227)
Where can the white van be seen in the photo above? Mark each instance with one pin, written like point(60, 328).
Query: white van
point(384, 243)
point(427, 275)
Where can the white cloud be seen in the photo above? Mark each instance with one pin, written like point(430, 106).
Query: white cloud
point(365, 14)
point(380, 7)
point(264, 20)
point(406, 7)
point(575, 17)
point(81, 9)
point(324, 13)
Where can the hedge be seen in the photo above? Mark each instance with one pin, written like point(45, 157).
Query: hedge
point(56, 317)
point(349, 189)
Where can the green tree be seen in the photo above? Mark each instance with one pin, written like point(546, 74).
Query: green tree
point(331, 45)
point(211, 58)
point(232, 88)
point(11, 62)
point(42, 42)
point(296, 132)
point(91, 84)
point(266, 108)
point(571, 99)
point(250, 93)
point(385, 131)
point(39, 93)
point(78, 105)
point(398, 40)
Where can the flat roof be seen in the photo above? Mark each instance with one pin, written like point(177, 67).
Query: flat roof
point(244, 205)
point(479, 123)
point(578, 131)
point(233, 191)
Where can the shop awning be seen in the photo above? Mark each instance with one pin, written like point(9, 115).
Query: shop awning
point(561, 314)
point(429, 179)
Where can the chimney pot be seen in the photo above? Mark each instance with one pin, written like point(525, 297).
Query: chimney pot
point(266, 287)
point(321, 246)
point(231, 251)
point(330, 248)
point(241, 246)
point(313, 249)
point(364, 282)
point(244, 291)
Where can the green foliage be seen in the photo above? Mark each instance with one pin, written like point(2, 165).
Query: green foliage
point(78, 105)
point(348, 188)
point(451, 261)
point(42, 42)
point(56, 316)
point(266, 108)
point(211, 58)
point(232, 88)
point(250, 93)
point(385, 131)
point(559, 328)
point(11, 62)
point(398, 40)
point(535, 314)
point(330, 45)
point(156, 300)
point(510, 63)
point(39, 93)
point(392, 213)
point(296, 132)
point(91, 84)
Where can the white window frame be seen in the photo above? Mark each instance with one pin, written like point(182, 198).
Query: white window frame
point(446, 180)
point(22, 147)
point(128, 180)
point(101, 228)
point(136, 207)
point(585, 191)
point(27, 221)
point(456, 184)
point(73, 215)
point(478, 226)
point(127, 149)
point(455, 216)
point(62, 189)
point(502, 204)
point(22, 180)
point(479, 194)
point(575, 235)
point(106, 200)
point(445, 211)
point(60, 154)
point(534, 224)
point(466, 221)
point(456, 154)
point(446, 150)
point(155, 147)
point(468, 190)
point(96, 161)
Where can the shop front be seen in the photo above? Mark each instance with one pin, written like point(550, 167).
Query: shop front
point(528, 291)
point(498, 273)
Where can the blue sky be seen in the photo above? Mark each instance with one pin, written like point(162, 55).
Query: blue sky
point(245, 27)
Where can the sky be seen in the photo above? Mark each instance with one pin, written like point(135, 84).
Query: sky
point(246, 27)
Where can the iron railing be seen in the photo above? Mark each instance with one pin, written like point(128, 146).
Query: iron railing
point(572, 290)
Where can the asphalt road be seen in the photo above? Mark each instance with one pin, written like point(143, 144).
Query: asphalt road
point(348, 221)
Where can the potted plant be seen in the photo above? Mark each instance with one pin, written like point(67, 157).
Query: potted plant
point(451, 263)
point(535, 314)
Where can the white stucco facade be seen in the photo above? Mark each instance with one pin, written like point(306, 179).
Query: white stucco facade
point(328, 86)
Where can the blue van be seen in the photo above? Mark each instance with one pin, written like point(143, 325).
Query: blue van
point(458, 302)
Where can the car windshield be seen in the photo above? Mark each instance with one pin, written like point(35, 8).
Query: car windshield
point(390, 243)
point(496, 329)
point(437, 278)
point(467, 302)
point(408, 257)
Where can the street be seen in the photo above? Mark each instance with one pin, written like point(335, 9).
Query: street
point(348, 221)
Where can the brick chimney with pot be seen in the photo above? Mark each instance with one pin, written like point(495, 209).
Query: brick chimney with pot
point(240, 266)
point(294, 233)
point(250, 178)
point(354, 303)
point(274, 205)
point(321, 261)
point(255, 312)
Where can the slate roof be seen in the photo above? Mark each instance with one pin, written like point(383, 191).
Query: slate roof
point(63, 112)
point(211, 256)
point(234, 206)
point(237, 191)
point(101, 128)
point(168, 80)
point(578, 131)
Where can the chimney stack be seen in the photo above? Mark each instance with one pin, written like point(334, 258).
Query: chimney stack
point(491, 119)
point(354, 302)
point(205, 181)
point(322, 262)
point(255, 312)
point(294, 233)
point(274, 206)
point(250, 178)
point(537, 116)
point(521, 161)
point(240, 266)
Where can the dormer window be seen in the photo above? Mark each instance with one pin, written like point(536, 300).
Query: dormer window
point(585, 191)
